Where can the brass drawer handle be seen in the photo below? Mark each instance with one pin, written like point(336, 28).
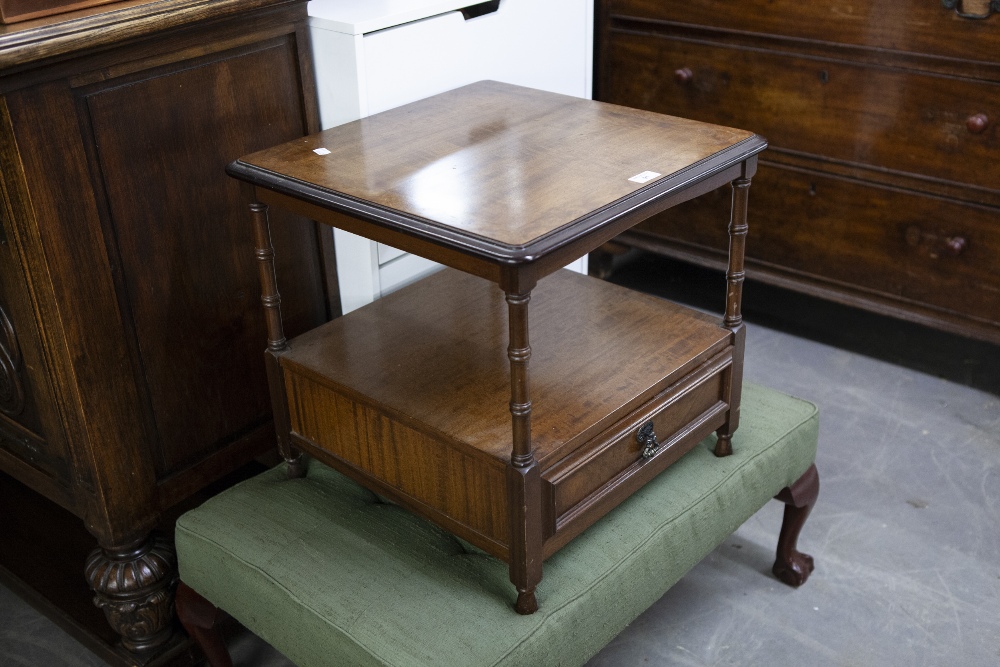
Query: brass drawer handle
point(647, 440)
point(973, 9)
point(977, 123)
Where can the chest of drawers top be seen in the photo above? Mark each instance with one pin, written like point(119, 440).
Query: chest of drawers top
point(903, 26)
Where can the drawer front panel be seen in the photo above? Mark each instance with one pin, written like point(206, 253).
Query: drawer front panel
point(916, 26)
point(898, 244)
point(891, 118)
point(618, 453)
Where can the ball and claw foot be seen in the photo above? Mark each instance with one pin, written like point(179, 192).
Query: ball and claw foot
point(795, 570)
point(526, 602)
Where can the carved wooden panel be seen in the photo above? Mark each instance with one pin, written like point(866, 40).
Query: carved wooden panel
point(23, 377)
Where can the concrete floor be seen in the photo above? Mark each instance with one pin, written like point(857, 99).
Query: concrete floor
point(906, 536)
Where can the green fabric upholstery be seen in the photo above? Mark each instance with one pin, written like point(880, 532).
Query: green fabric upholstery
point(330, 575)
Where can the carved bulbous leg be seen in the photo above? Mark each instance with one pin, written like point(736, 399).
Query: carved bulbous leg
point(792, 566)
point(134, 586)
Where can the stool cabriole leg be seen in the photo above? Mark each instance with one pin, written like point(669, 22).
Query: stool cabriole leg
point(276, 341)
point(734, 316)
point(523, 474)
point(200, 618)
point(792, 566)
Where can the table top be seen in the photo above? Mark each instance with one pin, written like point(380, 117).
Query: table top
point(496, 169)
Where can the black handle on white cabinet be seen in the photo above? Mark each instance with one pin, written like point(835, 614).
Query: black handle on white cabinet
point(480, 9)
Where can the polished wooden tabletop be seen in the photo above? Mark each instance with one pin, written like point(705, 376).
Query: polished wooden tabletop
point(501, 163)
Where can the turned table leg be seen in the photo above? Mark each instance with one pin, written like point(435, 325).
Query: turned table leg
point(734, 316)
point(200, 618)
point(276, 342)
point(791, 565)
point(524, 484)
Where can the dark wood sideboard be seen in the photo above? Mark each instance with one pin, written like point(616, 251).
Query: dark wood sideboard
point(131, 337)
point(881, 187)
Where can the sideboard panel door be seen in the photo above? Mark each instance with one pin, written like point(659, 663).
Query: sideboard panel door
point(187, 261)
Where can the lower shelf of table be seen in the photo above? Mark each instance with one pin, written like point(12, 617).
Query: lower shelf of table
point(409, 396)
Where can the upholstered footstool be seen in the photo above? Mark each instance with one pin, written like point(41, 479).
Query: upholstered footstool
point(330, 574)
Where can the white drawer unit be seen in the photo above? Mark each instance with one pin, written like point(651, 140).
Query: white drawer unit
point(373, 55)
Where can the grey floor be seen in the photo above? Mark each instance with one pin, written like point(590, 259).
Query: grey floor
point(906, 537)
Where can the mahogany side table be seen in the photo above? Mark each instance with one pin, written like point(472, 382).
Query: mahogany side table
point(410, 395)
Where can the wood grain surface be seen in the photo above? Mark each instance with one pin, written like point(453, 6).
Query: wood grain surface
point(886, 117)
point(915, 26)
point(889, 242)
point(434, 356)
point(496, 161)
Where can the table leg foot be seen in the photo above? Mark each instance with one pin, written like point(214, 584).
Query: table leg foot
point(295, 468)
point(526, 602)
point(724, 445)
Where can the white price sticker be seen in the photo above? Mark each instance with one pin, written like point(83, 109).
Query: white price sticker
point(644, 177)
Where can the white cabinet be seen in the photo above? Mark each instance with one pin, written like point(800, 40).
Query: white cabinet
point(373, 55)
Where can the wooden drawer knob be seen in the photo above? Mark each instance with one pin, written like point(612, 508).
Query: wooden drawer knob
point(977, 123)
point(935, 245)
point(955, 245)
point(683, 75)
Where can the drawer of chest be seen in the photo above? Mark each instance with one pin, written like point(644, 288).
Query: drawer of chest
point(853, 235)
point(914, 26)
point(891, 118)
point(588, 483)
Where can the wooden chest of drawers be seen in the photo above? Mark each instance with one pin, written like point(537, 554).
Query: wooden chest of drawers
point(882, 185)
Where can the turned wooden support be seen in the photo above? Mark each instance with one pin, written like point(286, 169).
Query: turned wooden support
point(733, 319)
point(200, 618)
point(134, 586)
point(269, 297)
point(276, 342)
point(791, 565)
point(523, 474)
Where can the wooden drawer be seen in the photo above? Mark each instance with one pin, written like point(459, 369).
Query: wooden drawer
point(856, 236)
point(915, 26)
point(884, 117)
point(681, 416)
